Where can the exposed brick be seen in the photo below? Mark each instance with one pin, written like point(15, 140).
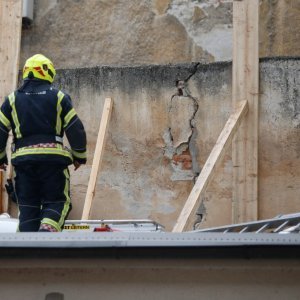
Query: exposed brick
point(185, 159)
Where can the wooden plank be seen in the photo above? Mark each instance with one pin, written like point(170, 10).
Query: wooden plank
point(185, 219)
point(245, 85)
point(10, 41)
point(107, 108)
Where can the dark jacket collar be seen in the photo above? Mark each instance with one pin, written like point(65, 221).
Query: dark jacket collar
point(34, 85)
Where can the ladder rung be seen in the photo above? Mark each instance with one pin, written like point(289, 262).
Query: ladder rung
point(262, 228)
point(244, 229)
point(292, 228)
point(281, 226)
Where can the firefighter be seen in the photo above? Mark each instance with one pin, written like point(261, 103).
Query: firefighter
point(39, 115)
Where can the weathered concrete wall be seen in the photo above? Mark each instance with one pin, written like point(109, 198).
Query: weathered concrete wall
point(279, 137)
point(136, 177)
point(279, 30)
point(176, 279)
point(80, 33)
point(160, 136)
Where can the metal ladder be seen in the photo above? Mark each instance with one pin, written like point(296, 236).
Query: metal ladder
point(289, 223)
point(112, 225)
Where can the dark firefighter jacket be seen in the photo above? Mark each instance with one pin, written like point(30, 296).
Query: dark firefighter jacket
point(39, 115)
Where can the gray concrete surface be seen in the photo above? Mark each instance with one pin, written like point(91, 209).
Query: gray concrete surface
point(166, 279)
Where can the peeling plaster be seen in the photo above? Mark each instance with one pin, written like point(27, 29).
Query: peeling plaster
point(135, 181)
point(179, 137)
point(209, 32)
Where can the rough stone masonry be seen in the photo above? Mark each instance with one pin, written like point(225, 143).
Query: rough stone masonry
point(81, 33)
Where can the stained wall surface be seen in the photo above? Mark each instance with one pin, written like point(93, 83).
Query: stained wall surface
point(159, 137)
point(233, 279)
point(81, 33)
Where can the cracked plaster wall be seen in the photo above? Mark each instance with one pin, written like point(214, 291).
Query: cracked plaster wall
point(160, 136)
point(80, 33)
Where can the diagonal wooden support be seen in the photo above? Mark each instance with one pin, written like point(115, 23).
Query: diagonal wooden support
point(107, 108)
point(184, 221)
point(10, 42)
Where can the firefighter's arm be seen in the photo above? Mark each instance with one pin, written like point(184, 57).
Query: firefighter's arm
point(5, 126)
point(77, 140)
point(75, 132)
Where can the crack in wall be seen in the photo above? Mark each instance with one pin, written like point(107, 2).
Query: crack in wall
point(193, 72)
point(179, 137)
point(192, 147)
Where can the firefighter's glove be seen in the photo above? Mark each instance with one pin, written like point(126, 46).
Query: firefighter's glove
point(76, 165)
point(10, 189)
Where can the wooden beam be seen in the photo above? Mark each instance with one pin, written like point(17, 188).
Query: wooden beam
point(184, 221)
point(107, 108)
point(245, 85)
point(10, 41)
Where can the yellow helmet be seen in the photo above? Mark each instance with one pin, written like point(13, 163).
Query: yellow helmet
point(40, 67)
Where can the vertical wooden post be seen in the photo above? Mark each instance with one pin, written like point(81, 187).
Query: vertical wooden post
point(107, 108)
point(245, 85)
point(10, 40)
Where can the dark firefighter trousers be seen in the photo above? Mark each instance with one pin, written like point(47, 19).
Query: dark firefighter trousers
point(43, 195)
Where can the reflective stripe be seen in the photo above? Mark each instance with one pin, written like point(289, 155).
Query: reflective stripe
point(68, 200)
point(2, 154)
point(14, 115)
point(4, 120)
point(79, 154)
point(60, 96)
point(52, 223)
point(69, 117)
point(27, 151)
point(59, 139)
